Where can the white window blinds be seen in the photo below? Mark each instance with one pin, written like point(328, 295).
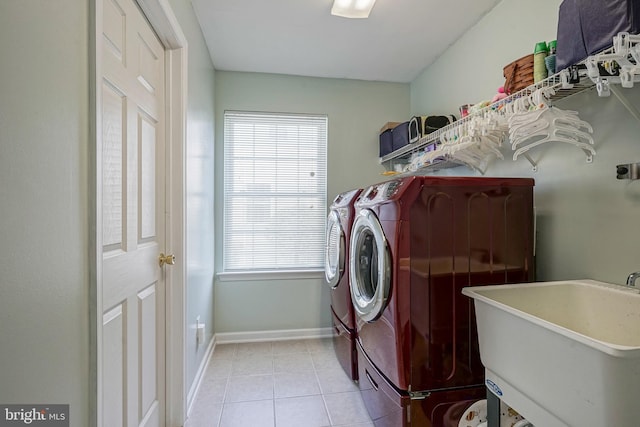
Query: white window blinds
point(275, 178)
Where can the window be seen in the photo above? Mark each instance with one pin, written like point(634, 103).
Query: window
point(275, 179)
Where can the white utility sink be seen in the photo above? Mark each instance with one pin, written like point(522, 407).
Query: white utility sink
point(562, 353)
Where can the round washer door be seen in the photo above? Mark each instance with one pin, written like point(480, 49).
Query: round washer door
point(334, 253)
point(369, 266)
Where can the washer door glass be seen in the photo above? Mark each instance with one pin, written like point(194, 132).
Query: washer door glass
point(369, 266)
point(334, 254)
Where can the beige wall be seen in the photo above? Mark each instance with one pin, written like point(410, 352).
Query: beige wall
point(471, 70)
point(46, 197)
point(44, 205)
point(356, 111)
point(586, 219)
point(199, 188)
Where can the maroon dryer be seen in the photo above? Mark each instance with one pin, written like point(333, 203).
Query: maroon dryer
point(337, 277)
point(415, 243)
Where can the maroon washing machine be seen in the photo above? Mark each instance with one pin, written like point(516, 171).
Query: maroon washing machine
point(415, 243)
point(337, 277)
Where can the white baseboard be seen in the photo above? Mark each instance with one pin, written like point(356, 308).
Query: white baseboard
point(195, 386)
point(285, 334)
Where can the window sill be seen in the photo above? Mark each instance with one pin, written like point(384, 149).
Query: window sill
point(256, 276)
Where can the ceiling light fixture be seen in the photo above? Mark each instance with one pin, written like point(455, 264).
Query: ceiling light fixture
point(352, 8)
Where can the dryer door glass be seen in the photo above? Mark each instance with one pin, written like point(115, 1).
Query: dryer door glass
point(369, 266)
point(334, 256)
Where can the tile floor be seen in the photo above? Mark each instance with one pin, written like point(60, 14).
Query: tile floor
point(297, 383)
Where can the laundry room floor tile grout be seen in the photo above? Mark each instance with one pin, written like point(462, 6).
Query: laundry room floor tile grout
point(277, 384)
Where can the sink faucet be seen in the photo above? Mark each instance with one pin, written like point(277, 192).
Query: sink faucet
point(631, 280)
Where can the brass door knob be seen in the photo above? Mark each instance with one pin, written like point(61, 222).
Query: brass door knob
point(166, 259)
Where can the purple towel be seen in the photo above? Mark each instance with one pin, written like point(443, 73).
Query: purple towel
point(571, 47)
point(586, 27)
point(603, 19)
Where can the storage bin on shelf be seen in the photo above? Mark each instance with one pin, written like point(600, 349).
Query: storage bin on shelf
point(386, 138)
point(400, 136)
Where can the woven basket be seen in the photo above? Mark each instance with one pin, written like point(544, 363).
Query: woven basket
point(518, 74)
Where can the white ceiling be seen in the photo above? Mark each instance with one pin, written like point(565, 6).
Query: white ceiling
point(301, 37)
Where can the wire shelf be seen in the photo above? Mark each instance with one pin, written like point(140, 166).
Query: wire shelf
point(618, 65)
point(559, 82)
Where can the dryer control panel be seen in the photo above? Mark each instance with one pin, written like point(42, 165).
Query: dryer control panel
point(383, 191)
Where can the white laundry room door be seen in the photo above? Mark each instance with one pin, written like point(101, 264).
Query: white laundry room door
point(132, 160)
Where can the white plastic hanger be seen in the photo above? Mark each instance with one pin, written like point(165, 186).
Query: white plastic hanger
point(559, 135)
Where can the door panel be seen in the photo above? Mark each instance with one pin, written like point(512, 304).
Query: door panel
point(147, 330)
point(114, 365)
point(147, 66)
point(133, 203)
point(114, 28)
point(147, 202)
point(113, 192)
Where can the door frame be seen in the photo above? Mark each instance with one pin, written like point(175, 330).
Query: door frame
point(164, 22)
